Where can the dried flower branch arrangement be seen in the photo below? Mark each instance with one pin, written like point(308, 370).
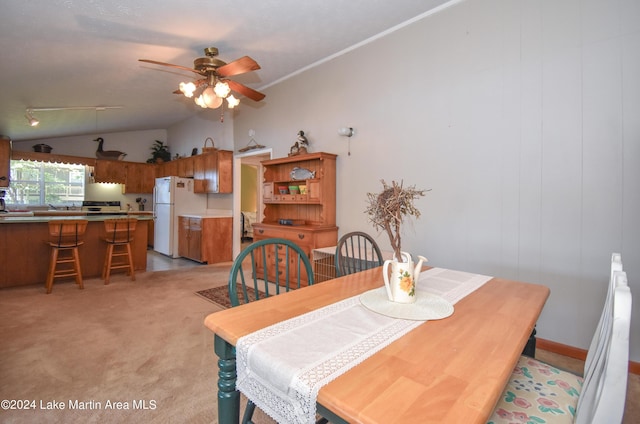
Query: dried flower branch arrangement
point(388, 209)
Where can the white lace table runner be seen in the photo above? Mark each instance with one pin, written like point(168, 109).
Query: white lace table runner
point(281, 368)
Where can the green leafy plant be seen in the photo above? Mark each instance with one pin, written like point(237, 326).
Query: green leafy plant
point(159, 152)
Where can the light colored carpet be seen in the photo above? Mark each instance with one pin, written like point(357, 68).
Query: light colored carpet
point(127, 342)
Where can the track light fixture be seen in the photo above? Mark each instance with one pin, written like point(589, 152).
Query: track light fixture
point(32, 121)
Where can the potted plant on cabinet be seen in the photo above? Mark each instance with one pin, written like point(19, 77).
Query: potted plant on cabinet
point(159, 153)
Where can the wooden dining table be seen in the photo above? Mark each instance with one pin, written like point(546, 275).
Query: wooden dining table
point(451, 370)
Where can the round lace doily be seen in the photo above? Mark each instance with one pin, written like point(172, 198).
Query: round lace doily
point(426, 307)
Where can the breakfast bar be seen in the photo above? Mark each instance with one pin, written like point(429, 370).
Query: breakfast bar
point(24, 252)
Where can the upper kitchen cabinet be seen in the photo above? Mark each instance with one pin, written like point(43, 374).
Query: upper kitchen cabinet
point(168, 169)
point(213, 172)
point(181, 167)
point(5, 161)
point(110, 171)
point(137, 177)
point(185, 167)
point(140, 177)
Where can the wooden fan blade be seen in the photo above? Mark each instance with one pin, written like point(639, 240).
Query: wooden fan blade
point(240, 66)
point(245, 91)
point(171, 65)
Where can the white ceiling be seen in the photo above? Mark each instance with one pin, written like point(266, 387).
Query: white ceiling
point(71, 53)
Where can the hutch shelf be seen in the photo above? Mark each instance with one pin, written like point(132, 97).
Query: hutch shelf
point(308, 218)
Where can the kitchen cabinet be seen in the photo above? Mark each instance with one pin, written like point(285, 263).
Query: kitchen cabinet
point(185, 167)
point(139, 177)
point(190, 238)
point(5, 161)
point(213, 172)
point(205, 239)
point(182, 167)
point(168, 169)
point(110, 171)
point(311, 216)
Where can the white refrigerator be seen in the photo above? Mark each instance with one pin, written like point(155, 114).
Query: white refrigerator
point(172, 197)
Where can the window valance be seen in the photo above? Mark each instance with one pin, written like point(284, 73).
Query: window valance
point(49, 157)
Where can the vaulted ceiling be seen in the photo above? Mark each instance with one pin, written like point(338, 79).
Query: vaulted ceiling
point(76, 53)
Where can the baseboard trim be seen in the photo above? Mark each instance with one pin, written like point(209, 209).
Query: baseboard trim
point(576, 353)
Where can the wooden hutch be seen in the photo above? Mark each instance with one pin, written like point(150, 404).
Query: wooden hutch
point(308, 219)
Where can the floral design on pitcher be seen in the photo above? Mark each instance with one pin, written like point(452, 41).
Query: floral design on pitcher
point(406, 283)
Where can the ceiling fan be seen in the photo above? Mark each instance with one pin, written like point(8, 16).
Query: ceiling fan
point(215, 86)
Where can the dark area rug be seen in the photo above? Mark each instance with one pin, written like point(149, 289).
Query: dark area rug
point(220, 295)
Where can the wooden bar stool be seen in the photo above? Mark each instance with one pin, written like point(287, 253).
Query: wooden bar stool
point(65, 236)
point(119, 235)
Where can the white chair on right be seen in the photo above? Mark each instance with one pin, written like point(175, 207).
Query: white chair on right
point(538, 392)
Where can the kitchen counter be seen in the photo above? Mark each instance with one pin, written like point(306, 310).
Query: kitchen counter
point(200, 216)
point(91, 217)
point(24, 252)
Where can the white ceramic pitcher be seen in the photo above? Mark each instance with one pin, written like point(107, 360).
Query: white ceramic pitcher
point(401, 285)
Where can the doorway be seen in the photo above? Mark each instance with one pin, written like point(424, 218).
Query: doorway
point(247, 198)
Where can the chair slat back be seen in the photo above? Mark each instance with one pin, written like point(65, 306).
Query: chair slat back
point(355, 252)
point(248, 280)
point(120, 230)
point(604, 391)
point(66, 232)
point(595, 352)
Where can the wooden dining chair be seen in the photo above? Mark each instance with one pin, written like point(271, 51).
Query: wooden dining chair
point(284, 263)
point(118, 234)
point(355, 252)
point(65, 237)
point(266, 268)
point(539, 392)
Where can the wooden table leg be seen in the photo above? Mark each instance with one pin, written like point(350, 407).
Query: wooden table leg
point(228, 396)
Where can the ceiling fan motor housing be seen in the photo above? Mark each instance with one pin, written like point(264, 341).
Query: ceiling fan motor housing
point(210, 62)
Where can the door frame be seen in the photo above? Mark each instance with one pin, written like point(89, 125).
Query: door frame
point(237, 187)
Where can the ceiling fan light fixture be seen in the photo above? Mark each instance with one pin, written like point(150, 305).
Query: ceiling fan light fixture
point(210, 98)
point(232, 102)
point(222, 89)
point(200, 102)
point(187, 88)
point(32, 121)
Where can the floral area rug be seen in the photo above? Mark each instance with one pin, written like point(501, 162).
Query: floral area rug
point(220, 295)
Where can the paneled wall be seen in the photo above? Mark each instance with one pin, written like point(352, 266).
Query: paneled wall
point(523, 117)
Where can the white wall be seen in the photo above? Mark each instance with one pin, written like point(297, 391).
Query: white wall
point(192, 133)
point(523, 117)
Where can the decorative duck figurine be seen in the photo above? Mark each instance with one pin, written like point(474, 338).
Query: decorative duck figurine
point(109, 154)
point(303, 143)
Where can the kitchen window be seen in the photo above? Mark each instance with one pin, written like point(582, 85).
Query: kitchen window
point(45, 183)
